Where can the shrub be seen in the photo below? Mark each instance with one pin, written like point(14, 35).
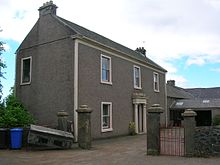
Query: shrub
point(132, 128)
point(14, 114)
point(216, 120)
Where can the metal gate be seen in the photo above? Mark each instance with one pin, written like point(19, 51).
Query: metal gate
point(172, 141)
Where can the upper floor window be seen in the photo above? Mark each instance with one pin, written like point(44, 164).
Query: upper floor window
point(156, 82)
point(26, 66)
point(137, 77)
point(106, 73)
point(106, 116)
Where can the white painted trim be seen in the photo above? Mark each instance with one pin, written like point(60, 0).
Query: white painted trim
point(122, 57)
point(166, 109)
point(108, 129)
point(110, 69)
point(145, 118)
point(76, 90)
point(136, 117)
point(21, 82)
point(158, 82)
point(134, 79)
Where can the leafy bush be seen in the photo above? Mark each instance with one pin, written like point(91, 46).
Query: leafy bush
point(14, 114)
point(216, 120)
point(131, 128)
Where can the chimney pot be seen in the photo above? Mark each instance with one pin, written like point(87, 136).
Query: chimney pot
point(141, 50)
point(171, 82)
point(47, 8)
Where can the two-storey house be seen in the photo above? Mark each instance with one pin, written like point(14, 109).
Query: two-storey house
point(61, 65)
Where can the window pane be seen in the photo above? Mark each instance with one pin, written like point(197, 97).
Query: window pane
point(26, 70)
point(105, 63)
point(106, 116)
point(105, 110)
point(137, 82)
point(137, 76)
point(136, 72)
point(104, 75)
point(156, 82)
point(106, 122)
point(155, 86)
point(155, 77)
point(105, 69)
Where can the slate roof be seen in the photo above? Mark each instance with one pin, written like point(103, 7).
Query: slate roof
point(107, 42)
point(178, 93)
point(210, 93)
point(194, 98)
point(196, 104)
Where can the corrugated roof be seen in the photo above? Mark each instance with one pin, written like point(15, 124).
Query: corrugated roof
point(109, 43)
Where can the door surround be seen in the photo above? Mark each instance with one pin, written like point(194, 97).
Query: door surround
point(139, 100)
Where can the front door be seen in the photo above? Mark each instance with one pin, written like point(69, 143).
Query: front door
point(140, 119)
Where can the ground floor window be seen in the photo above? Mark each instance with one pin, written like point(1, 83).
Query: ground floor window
point(106, 116)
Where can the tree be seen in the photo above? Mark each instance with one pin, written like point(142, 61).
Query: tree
point(14, 114)
point(2, 66)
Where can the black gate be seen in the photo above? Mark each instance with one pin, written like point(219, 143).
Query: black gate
point(172, 141)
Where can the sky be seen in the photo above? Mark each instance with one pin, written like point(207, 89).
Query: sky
point(183, 36)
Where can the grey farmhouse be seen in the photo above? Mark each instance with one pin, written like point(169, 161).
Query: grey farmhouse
point(61, 65)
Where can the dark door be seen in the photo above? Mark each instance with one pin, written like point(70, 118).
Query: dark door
point(204, 118)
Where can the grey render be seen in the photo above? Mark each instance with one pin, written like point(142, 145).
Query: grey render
point(66, 74)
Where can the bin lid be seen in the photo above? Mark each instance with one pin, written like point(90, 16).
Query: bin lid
point(16, 129)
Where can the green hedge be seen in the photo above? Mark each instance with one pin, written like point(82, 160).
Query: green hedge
point(216, 120)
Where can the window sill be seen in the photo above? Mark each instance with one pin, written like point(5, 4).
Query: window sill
point(27, 83)
point(105, 82)
point(107, 130)
point(138, 88)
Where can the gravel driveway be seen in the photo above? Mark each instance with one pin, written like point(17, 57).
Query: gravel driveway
point(129, 150)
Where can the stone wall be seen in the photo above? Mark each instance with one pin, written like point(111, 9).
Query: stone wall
point(207, 141)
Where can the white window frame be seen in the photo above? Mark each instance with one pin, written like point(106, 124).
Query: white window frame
point(22, 69)
point(139, 85)
point(110, 70)
point(110, 115)
point(156, 83)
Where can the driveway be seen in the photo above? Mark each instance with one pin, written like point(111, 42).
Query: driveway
point(129, 150)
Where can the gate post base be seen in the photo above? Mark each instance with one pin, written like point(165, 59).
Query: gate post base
point(153, 152)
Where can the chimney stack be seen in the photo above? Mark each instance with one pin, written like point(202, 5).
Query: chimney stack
point(171, 82)
point(141, 50)
point(47, 8)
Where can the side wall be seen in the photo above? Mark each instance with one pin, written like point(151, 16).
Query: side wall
point(51, 88)
point(92, 92)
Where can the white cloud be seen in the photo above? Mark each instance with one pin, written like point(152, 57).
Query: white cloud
point(6, 47)
point(179, 80)
point(170, 29)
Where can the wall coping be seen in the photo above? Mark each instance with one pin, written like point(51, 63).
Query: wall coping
point(155, 108)
point(84, 109)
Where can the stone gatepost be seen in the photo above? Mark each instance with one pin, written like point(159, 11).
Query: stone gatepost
point(62, 120)
point(84, 127)
point(153, 129)
point(189, 131)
